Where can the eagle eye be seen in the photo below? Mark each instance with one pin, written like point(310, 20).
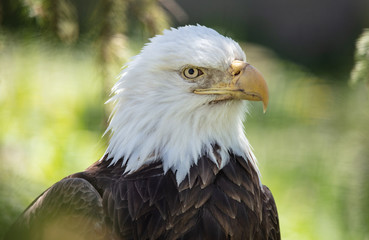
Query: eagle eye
point(192, 72)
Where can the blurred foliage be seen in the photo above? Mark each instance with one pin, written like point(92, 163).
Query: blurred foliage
point(51, 119)
point(312, 144)
point(71, 20)
point(361, 68)
point(105, 23)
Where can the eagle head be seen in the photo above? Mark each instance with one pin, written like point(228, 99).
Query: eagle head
point(180, 97)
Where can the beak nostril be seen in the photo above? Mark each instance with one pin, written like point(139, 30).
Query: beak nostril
point(237, 73)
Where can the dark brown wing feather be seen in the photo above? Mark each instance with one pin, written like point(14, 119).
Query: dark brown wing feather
point(70, 209)
point(148, 204)
point(270, 222)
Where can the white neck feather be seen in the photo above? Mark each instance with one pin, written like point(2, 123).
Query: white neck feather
point(177, 133)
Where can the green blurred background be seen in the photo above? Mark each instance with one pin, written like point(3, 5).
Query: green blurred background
point(59, 59)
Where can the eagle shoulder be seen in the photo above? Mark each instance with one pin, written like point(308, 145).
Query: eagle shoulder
point(70, 209)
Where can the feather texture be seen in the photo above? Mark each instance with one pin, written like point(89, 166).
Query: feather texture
point(148, 204)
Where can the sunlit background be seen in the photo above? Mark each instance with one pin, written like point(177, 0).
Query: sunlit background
point(59, 59)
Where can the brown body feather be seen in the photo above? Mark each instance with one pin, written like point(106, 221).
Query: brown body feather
point(104, 203)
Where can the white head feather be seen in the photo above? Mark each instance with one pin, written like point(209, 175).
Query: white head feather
point(158, 117)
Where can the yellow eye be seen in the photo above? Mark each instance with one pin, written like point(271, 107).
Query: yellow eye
point(192, 72)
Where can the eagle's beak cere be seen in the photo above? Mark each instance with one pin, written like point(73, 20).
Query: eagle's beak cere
point(247, 83)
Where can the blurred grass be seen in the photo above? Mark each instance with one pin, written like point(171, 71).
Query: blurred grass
point(312, 144)
point(51, 118)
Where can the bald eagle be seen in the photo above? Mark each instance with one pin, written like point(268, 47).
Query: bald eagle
point(178, 164)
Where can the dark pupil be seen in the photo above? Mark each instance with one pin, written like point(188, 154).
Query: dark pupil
point(191, 71)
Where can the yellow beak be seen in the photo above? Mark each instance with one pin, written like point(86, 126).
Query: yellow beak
point(247, 83)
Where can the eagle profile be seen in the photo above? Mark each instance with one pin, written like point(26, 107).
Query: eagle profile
point(178, 164)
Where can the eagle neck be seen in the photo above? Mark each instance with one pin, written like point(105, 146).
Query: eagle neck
point(177, 134)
